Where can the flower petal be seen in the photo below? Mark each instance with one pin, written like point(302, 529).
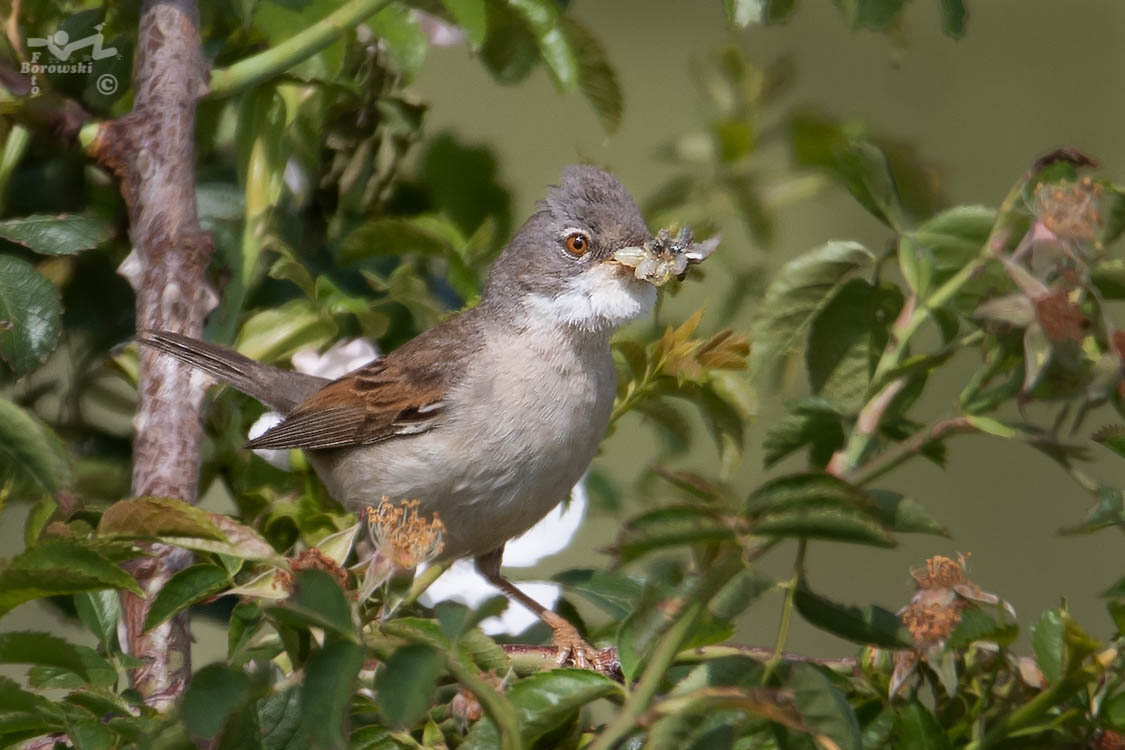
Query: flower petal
point(339, 359)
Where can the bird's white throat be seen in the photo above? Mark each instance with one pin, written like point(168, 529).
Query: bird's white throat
point(599, 299)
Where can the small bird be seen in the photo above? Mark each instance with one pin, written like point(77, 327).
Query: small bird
point(492, 416)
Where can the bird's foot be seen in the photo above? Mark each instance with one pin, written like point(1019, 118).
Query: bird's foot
point(573, 650)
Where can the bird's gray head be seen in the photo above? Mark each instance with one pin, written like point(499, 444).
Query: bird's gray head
point(559, 267)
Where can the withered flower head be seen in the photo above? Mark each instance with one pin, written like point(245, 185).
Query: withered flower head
point(406, 538)
point(314, 559)
point(940, 571)
point(1071, 210)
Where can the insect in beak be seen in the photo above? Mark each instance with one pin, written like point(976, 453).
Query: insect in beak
point(661, 257)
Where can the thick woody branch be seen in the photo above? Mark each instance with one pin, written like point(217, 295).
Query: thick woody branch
point(151, 151)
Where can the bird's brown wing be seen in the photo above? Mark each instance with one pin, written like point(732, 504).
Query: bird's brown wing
point(401, 394)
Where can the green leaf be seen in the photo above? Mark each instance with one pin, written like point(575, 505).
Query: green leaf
point(742, 590)
point(953, 17)
point(867, 175)
point(596, 77)
point(874, 15)
point(823, 707)
point(59, 567)
point(812, 489)
point(801, 289)
point(214, 693)
point(812, 422)
point(405, 41)
point(327, 690)
point(954, 238)
point(15, 698)
point(317, 600)
point(57, 235)
point(397, 236)
point(471, 17)
point(978, 625)
point(838, 356)
point(1113, 711)
point(186, 587)
point(917, 729)
point(673, 526)
point(151, 517)
point(1047, 641)
point(867, 625)
point(30, 315)
point(31, 455)
point(542, 18)
point(917, 266)
point(279, 716)
point(833, 524)
point(1112, 437)
point(545, 701)
point(900, 513)
point(42, 649)
point(406, 684)
point(1108, 511)
point(614, 593)
point(100, 611)
point(1109, 277)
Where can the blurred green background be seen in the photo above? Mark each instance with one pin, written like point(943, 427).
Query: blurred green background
point(1029, 75)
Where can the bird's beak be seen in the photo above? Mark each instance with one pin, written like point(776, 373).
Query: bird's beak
point(660, 258)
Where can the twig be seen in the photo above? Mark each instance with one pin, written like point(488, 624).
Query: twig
point(866, 428)
point(302, 45)
point(914, 444)
point(151, 150)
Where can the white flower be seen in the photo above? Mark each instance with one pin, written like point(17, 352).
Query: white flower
point(462, 583)
point(439, 32)
point(339, 359)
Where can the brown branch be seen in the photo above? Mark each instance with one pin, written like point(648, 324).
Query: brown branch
point(151, 151)
point(537, 658)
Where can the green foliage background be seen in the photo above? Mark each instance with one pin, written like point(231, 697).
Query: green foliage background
point(727, 146)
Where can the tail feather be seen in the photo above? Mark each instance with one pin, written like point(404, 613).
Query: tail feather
point(279, 389)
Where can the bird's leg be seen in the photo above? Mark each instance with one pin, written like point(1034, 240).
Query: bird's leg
point(570, 644)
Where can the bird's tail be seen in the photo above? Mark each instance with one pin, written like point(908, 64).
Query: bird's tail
point(278, 389)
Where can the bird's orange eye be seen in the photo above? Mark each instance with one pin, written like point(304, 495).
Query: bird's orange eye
point(577, 243)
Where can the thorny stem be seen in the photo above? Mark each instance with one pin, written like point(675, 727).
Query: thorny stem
point(302, 45)
point(786, 611)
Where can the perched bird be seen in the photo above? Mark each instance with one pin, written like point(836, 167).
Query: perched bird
point(490, 417)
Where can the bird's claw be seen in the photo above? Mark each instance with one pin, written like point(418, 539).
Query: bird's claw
point(573, 650)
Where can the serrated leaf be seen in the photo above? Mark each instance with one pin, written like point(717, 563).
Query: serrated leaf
point(329, 679)
point(597, 78)
point(59, 567)
point(152, 517)
point(57, 235)
point(916, 728)
point(279, 716)
point(833, 524)
point(867, 175)
point(812, 489)
point(822, 706)
point(187, 587)
point(668, 527)
point(977, 625)
point(470, 15)
point(317, 600)
point(838, 354)
point(543, 702)
point(613, 593)
point(405, 686)
point(1047, 636)
point(742, 590)
point(30, 315)
point(15, 698)
point(812, 422)
point(30, 452)
point(800, 290)
point(900, 513)
point(864, 625)
point(42, 649)
point(100, 673)
point(395, 236)
point(213, 694)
